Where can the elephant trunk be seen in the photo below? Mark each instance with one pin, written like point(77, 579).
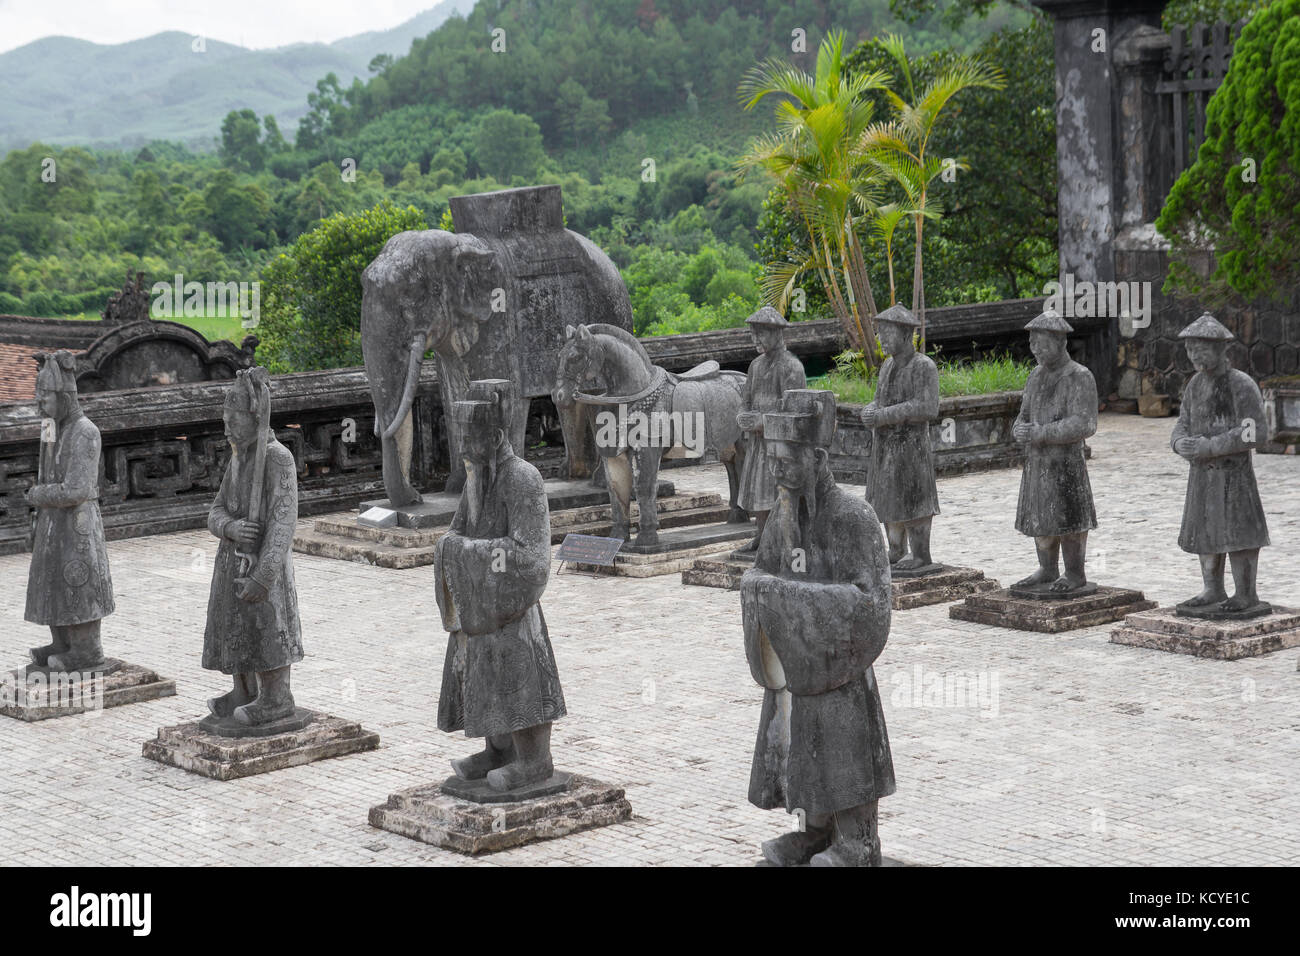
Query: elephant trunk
point(408, 393)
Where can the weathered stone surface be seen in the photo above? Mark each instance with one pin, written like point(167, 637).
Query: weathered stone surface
point(425, 813)
point(950, 584)
point(343, 538)
point(480, 791)
point(1165, 630)
point(33, 693)
point(492, 301)
point(1001, 609)
point(1154, 405)
point(676, 551)
point(228, 758)
point(644, 414)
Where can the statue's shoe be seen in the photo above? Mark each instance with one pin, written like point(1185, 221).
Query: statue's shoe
point(223, 706)
point(847, 854)
point(68, 661)
point(257, 713)
point(41, 655)
point(519, 774)
point(795, 849)
point(476, 766)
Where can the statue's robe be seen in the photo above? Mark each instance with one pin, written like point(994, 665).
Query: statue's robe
point(769, 377)
point(68, 581)
point(490, 570)
point(1055, 494)
point(244, 637)
point(811, 637)
point(901, 485)
point(1222, 511)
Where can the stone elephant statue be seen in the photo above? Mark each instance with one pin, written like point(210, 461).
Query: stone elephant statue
point(491, 300)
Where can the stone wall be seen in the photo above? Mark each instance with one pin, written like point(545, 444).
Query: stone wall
point(973, 433)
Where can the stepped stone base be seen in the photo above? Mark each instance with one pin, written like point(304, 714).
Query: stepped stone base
point(1225, 640)
point(431, 816)
point(402, 547)
point(191, 748)
point(676, 551)
point(34, 693)
point(948, 584)
point(1002, 609)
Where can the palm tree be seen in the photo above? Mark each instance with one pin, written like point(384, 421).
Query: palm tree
point(899, 147)
point(827, 180)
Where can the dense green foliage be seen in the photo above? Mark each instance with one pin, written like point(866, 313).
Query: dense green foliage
point(311, 293)
point(1242, 195)
point(640, 128)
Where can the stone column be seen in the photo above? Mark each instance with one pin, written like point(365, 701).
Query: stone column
point(1104, 136)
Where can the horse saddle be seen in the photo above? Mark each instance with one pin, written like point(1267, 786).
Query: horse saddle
point(701, 373)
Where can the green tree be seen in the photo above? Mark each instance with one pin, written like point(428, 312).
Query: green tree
point(311, 293)
point(901, 146)
point(826, 180)
point(507, 145)
point(1241, 196)
point(241, 145)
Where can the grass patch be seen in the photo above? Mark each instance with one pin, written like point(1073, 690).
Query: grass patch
point(996, 374)
point(214, 326)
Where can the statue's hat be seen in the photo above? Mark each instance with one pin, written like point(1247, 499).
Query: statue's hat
point(1049, 320)
point(1207, 327)
point(899, 314)
point(58, 371)
point(485, 403)
point(251, 391)
point(807, 417)
point(767, 316)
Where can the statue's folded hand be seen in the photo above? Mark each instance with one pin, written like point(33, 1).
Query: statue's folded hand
point(247, 589)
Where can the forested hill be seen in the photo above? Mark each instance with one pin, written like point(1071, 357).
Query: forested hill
point(62, 90)
point(582, 69)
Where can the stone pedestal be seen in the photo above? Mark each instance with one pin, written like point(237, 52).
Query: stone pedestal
point(1166, 630)
point(946, 584)
point(677, 550)
point(200, 751)
point(576, 508)
point(1002, 608)
point(34, 693)
point(473, 826)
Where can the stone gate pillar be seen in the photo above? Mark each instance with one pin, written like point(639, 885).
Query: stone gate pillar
point(1102, 174)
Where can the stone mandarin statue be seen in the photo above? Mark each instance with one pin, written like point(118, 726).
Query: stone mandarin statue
point(1058, 411)
point(816, 613)
point(1222, 516)
point(770, 375)
point(499, 681)
point(901, 486)
point(253, 631)
point(69, 586)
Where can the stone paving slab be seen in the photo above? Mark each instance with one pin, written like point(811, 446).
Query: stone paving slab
point(1010, 747)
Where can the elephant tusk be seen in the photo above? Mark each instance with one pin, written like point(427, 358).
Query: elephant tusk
point(408, 394)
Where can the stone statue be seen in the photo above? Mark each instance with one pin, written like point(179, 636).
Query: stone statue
point(816, 611)
point(901, 486)
point(1058, 411)
point(769, 377)
point(1217, 427)
point(69, 586)
point(130, 303)
point(491, 300)
point(253, 632)
point(499, 681)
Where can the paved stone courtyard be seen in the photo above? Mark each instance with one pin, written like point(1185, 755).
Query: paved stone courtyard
point(1067, 750)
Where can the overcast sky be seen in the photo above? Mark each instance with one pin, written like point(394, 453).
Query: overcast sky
point(251, 23)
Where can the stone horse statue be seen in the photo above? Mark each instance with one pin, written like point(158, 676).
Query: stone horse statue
point(647, 413)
